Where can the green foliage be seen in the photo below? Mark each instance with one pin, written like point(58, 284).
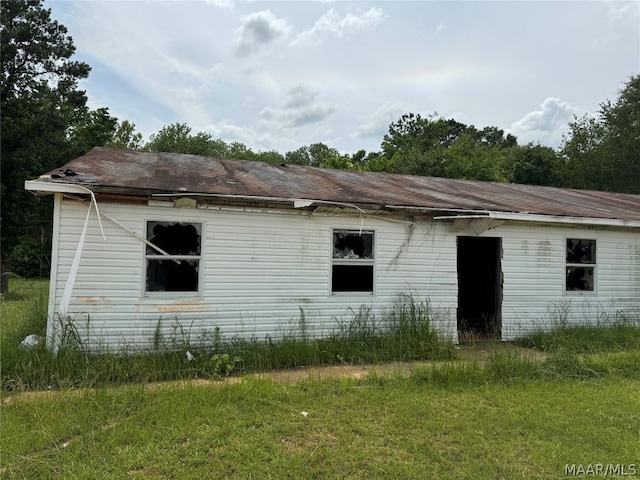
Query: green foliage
point(270, 156)
point(45, 122)
point(30, 256)
point(314, 155)
point(177, 138)
point(601, 153)
point(96, 128)
point(402, 333)
point(469, 159)
point(434, 146)
point(23, 311)
point(533, 165)
point(616, 336)
point(223, 365)
point(125, 136)
point(36, 50)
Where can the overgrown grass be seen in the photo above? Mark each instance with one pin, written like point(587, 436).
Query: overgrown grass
point(23, 311)
point(578, 351)
point(404, 333)
point(620, 335)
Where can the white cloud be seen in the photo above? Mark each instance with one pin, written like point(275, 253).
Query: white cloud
point(228, 66)
point(377, 124)
point(300, 96)
point(222, 3)
point(620, 16)
point(301, 108)
point(331, 25)
point(547, 124)
point(258, 30)
point(252, 136)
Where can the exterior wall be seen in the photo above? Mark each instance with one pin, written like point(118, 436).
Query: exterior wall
point(261, 267)
point(533, 266)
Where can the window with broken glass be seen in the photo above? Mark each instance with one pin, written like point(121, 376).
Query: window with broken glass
point(580, 265)
point(174, 264)
point(352, 261)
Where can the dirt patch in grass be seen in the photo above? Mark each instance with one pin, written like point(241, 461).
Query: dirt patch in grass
point(479, 352)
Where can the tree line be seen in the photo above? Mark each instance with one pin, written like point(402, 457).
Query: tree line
point(46, 122)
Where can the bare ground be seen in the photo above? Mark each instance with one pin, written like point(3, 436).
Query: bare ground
point(478, 352)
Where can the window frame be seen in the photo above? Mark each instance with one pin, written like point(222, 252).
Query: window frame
point(199, 258)
point(593, 265)
point(334, 261)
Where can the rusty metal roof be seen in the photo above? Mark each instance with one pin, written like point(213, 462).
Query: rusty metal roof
point(106, 170)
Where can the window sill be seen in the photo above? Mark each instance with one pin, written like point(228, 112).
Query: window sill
point(170, 295)
point(349, 294)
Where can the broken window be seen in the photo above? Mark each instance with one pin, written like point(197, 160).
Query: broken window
point(580, 265)
point(175, 264)
point(352, 261)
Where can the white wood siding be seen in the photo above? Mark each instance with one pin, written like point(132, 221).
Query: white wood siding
point(260, 269)
point(533, 265)
point(262, 266)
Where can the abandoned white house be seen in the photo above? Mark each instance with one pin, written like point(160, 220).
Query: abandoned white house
point(146, 240)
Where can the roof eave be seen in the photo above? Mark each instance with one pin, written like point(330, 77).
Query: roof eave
point(46, 187)
point(554, 219)
point(40, 187)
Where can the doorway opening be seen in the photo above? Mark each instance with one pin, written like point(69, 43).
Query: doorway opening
point(479, 287)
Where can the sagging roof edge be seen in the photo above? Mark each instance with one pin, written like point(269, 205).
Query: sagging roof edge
point(47, 187)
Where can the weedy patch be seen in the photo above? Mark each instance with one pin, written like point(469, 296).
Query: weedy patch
point(403, 333)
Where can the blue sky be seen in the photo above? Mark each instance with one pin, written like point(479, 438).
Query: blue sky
point(281, 75)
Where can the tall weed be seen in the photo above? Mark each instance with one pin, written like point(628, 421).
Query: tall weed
point(404, 332)
point(618, 336)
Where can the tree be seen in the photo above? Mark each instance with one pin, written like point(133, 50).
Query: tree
point(239, 151)
point(533, 165)
point(270, 156)
point(603, 152)
point(440, 147)
point(469, 159)
point(125, 136)
point(96, 128)
point(314, 155)
point(177, 138)
point(40, 102)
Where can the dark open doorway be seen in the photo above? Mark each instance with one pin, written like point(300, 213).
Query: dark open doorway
point(479, 287)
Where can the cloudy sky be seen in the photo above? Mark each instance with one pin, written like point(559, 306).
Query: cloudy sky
point(279, 75)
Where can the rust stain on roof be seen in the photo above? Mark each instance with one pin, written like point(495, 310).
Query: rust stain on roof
point(107, 170)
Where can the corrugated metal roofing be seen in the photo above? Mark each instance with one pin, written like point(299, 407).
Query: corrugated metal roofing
point(145, 173)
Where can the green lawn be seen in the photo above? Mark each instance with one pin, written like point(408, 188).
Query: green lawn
point(397, 426)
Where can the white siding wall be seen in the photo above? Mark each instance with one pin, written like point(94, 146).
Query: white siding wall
point(533, 266)
point(262, 267)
